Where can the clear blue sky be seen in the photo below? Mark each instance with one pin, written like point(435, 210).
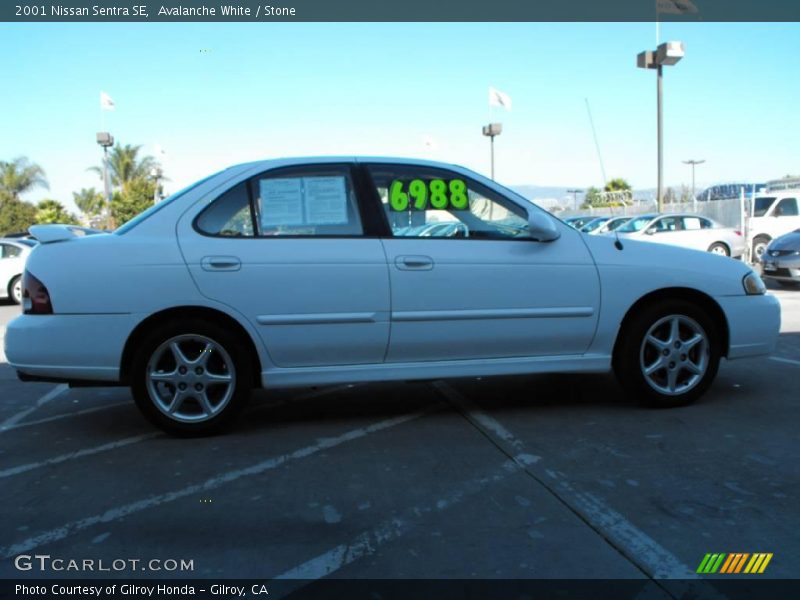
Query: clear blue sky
point(266, 90)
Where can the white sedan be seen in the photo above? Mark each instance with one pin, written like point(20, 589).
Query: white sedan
point(13, 252)
point(689, 231)
point(302, 272)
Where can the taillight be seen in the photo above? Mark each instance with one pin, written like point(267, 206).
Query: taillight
point(35, 297)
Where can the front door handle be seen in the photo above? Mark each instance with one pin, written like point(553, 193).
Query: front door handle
point(220, 263)
point(414, 263)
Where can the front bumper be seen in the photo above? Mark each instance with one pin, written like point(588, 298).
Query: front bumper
point(785, 268)
point(68, 347)
point(754, 323)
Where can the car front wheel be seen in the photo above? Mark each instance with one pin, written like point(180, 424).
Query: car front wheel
point(191, 377)
point(668, 354)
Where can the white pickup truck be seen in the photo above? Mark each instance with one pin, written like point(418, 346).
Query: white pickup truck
point(774, 214)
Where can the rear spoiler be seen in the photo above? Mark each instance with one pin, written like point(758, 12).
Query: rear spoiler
point(47, 234)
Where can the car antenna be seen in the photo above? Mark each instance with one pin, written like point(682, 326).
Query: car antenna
point(617, 243)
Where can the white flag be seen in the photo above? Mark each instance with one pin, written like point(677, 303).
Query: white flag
point(675, 7)
point(106, 103)
point(498, 98)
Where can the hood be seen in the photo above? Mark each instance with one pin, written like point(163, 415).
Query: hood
point(790, 241)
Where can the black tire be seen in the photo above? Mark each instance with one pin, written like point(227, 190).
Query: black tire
point(629, 354)
point(759, 247)
point(231, 349)
point(11, 290)
point(719, 248)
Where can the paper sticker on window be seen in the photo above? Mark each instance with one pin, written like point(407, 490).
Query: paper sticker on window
point(281, 202)
point(325, 200)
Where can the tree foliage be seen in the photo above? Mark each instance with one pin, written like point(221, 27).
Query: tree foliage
point(125, 166)
point(15, 215)
point(20, 175)
point(135, 198)
point(89, 201)
point(618, 184)
point(52, 211)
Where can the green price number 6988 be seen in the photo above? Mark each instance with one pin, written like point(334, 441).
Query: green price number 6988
point(441, 195)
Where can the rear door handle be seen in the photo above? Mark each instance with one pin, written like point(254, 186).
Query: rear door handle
point(414, 263)
point(220, 263)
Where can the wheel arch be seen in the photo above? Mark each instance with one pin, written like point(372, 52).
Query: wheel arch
point(697, 297)
point(181, 312)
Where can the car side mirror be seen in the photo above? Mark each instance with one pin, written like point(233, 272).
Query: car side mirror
point(649, 231)
point(542, 228)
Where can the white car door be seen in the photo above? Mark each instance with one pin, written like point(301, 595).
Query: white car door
point(665, 230)
point(290, 251)
point(487, 290)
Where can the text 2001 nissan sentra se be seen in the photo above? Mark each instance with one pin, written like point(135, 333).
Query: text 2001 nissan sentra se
point(318, 271)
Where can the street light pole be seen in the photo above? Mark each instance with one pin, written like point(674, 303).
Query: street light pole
point(491, 130)
point(660, 128)
point(106, 140)
point(668, 53)
point(694, 163)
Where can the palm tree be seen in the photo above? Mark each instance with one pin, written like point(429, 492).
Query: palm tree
point(125, 166)
point(19, 176)
point(89, 201)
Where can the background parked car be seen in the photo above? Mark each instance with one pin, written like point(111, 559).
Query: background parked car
point(578, 222)
point(13, 254)
point(781, 260)
point(610, 225)
point(773, 216)
point(594, 224)
point(686, 230)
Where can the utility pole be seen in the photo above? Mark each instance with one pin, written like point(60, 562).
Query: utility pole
point(491, 131)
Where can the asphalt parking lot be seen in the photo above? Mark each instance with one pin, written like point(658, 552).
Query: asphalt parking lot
point(515, 477)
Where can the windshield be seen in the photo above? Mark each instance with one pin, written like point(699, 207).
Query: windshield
point(634, 225)
point(592, 225)
point(762, 206)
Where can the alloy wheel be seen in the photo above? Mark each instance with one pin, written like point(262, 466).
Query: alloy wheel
point(674, 355)
point(190, 378)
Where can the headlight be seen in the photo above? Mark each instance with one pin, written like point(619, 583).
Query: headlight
point(753, 285)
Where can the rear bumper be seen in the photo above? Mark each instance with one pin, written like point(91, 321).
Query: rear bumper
point(754, 323)
point(68, 348)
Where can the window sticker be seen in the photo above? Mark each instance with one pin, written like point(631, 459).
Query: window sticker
point(325, 200)
point(281, 202)
point(435, 194)
point(303, 201)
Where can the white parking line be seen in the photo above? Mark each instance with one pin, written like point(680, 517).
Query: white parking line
point(119, 512)
point(367, 543)
point(85, 411)
point(51, 395)
point(788, 361)
point(640, 549)
point(77, 454)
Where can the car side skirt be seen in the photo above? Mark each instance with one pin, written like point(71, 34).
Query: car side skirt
point(408, 371)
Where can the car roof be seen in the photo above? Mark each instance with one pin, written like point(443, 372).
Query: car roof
point(315, 160)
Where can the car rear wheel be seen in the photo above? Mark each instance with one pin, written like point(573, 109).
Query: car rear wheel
point(719, 248)
point(668, 354)
point(191, 377)
point(15, 289)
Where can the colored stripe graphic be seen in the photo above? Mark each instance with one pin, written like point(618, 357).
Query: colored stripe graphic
point(711, 563)
point(734, 563)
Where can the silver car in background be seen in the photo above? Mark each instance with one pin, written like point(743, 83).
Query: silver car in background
point(781, 260)
point(686, 230)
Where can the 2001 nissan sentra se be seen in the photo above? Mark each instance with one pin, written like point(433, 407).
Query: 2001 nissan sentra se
point(321, 270)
